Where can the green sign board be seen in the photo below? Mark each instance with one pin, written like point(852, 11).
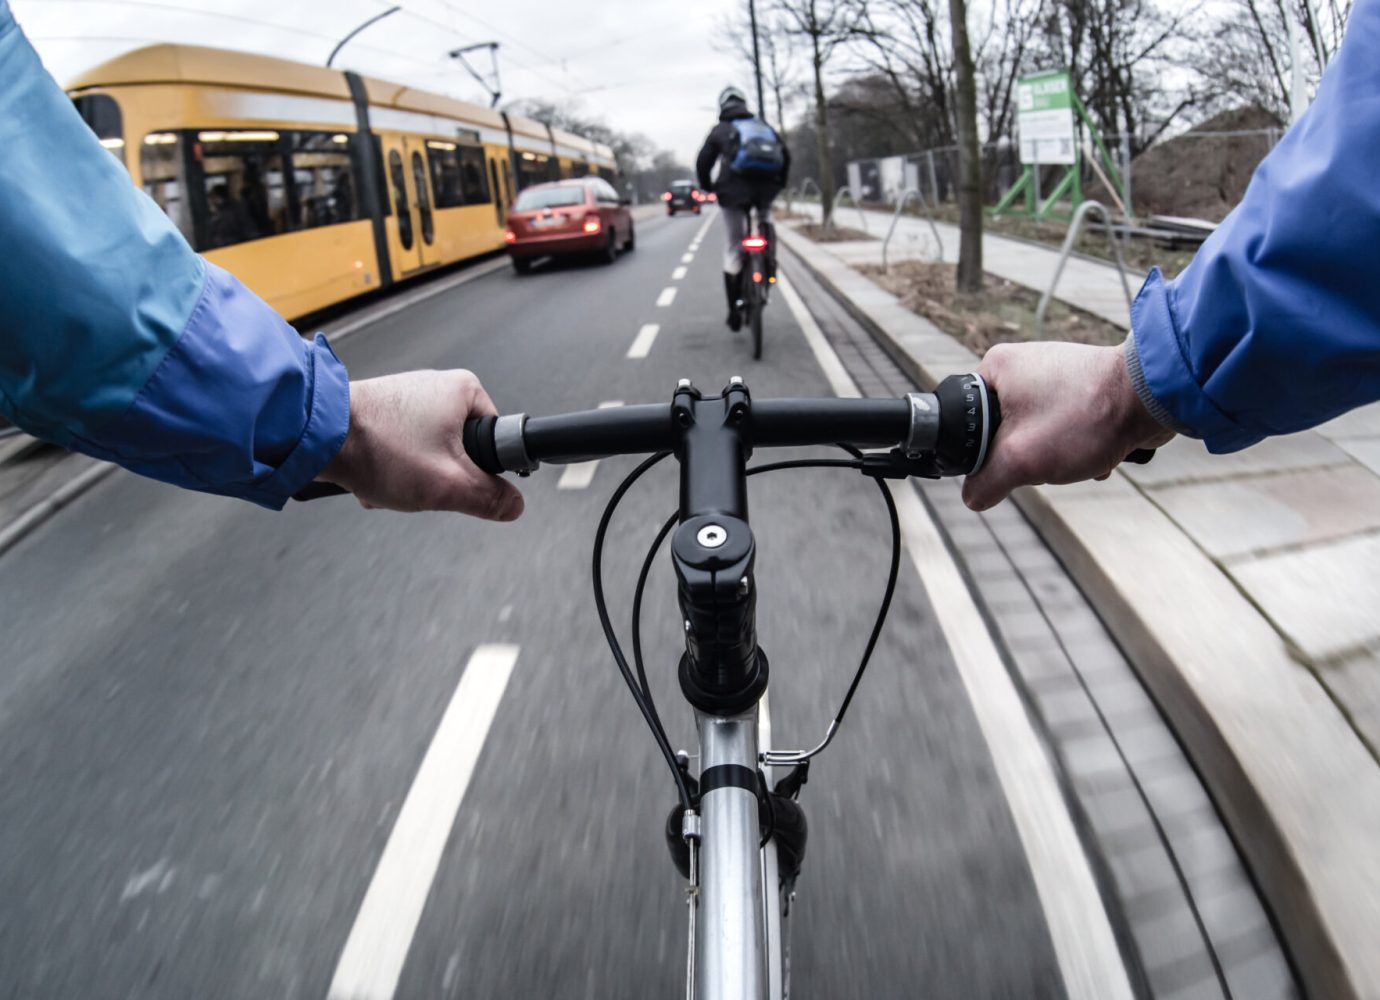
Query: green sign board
point(1044, 117)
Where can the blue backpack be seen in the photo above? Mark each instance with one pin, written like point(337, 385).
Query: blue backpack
point(759, 154)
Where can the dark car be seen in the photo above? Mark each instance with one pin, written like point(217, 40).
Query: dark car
point(583, 215)
point(683, 195)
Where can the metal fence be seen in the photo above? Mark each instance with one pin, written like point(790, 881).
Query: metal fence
point(1218, 163)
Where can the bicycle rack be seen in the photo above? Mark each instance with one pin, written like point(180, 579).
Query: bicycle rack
point(838, 197)
point(808, 182)
point(900, 205)
point(1075, 227)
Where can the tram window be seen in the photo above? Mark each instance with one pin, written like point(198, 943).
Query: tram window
point(533, 168)
point(398, 181)
point(243, 182)
point(472, 176)
point(164, 171)
point(102, 115)
point(444, 160)
point(322, 180)
point(423, 199)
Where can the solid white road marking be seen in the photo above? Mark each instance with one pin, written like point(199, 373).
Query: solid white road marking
point(642, 343)
point(704, 228)
point(678, 273)
point(372, 960)
point(667, 296)
point(1078, 926)
point(581, 474)
point(686, 258)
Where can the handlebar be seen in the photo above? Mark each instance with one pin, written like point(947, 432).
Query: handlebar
point(945, 432)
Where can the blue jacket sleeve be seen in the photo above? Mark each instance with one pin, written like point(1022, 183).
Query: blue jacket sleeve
point(1275, 325)
point(118, 341)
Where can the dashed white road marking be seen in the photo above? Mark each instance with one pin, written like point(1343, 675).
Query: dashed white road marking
point(642, 343)
point(1078, 926)
point(372, 960)
point(667, 296)
point(678, 273)
point(687, 258)
point(579, 475)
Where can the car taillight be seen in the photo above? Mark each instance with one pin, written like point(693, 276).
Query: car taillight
point(666, 196)
point(697, 196)
point(593, 225)
point(755, 243)
point(510, 237)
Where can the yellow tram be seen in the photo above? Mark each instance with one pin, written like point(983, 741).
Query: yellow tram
point(314, 185)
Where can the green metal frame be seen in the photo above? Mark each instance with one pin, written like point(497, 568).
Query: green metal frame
point(1070, 185)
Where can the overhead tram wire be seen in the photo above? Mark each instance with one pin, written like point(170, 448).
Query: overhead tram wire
point(519, 65)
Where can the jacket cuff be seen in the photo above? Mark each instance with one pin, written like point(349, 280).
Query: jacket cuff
point(1163, 379)
point(327, 426)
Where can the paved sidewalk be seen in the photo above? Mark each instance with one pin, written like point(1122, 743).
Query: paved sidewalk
point(1092, 287)
point(1243, 588)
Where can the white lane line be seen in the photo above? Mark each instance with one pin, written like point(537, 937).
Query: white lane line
point(678, 273)
point(704, 228)
point(642, 343)
point(1078, 926)
point(372, 960)
point(581, 474)
point(667, 296)
point(687, 258)
point(338, 333)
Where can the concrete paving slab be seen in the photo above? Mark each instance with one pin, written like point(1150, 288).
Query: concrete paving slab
point(1254, 514)
point(1186, 460)
point(1365, 450)
point(1356, 684)
point(1361, 422)
point(1324, 598)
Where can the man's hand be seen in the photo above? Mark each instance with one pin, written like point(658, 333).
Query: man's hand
point(404, 449)
point(1068, 413)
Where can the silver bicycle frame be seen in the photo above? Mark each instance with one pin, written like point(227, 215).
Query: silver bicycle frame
point(729, 937)
point(737, 930)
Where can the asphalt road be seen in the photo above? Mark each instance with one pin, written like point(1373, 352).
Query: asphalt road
point(211, 715)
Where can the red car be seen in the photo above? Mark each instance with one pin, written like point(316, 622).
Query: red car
point(583, 215)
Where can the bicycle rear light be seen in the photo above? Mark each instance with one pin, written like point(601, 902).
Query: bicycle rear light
point(755, 243)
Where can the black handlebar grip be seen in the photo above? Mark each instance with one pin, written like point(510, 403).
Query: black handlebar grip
point(478, 439)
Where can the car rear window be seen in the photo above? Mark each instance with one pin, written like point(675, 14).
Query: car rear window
point(681, 185)
point(570, 194)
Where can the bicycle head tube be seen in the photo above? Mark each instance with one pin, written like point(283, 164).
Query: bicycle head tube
point(722, 672)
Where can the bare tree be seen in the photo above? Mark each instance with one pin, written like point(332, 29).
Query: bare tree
point(969, 163)
point(1243, 56)
point(778, 64)
point(824, 25)
point(905, 42)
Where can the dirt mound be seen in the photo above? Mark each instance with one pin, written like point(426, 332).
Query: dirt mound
point(1201, 174)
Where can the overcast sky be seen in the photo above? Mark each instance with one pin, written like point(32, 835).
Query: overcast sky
point(651, 66)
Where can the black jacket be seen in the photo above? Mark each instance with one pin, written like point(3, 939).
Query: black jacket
point(735, 191)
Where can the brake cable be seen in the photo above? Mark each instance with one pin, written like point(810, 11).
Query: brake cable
point(639, 686)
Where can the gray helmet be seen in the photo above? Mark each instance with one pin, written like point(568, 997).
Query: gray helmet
point(729, 95)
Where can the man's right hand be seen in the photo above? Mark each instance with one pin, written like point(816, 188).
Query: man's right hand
point(404, 449)
point(1069, 413)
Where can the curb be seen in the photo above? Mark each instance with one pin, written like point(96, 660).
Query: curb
point(1296, 786)
point(26, 522)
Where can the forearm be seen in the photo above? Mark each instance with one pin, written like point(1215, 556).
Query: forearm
point(1275, 325)
point(119, 341)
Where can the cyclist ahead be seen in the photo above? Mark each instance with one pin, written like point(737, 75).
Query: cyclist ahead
point(753, 165)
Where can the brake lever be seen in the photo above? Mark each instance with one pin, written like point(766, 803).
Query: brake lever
point(1141, 456)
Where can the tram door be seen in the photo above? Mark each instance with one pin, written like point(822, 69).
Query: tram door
point(409, 195)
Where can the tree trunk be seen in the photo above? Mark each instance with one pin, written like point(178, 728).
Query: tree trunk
point(969, 162)
point(826, 164)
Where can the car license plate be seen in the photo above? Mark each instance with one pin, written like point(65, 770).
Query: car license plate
point(548, 221)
